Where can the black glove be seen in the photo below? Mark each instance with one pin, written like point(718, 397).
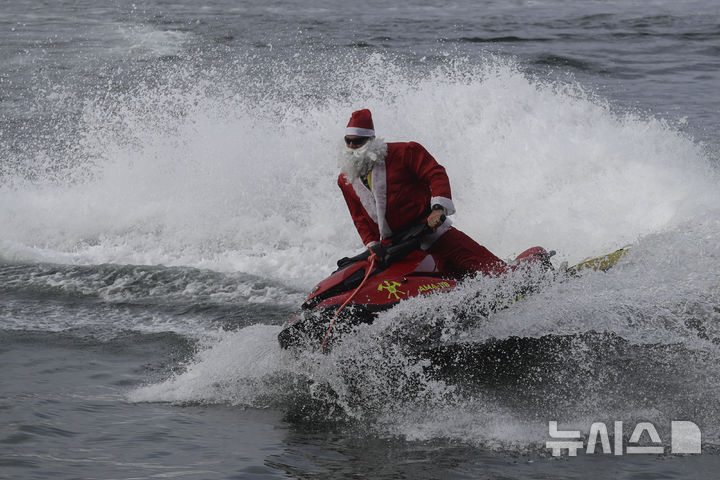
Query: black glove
point(380, 252)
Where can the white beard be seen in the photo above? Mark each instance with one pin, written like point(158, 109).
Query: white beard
point(358, 162)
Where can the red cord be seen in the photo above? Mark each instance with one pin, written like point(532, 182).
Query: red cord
point(332, 323)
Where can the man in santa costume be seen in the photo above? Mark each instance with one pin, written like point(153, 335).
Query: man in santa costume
point(390, 186)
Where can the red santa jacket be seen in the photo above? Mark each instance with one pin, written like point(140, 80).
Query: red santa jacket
point(404, 186)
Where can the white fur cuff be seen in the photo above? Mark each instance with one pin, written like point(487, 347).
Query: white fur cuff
point(444, 202)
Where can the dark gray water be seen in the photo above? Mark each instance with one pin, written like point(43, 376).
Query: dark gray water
point(167, 198)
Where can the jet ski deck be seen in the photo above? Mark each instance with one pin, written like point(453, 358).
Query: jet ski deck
point(362, 287)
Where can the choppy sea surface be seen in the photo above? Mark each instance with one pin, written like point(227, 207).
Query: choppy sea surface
point(168, 197)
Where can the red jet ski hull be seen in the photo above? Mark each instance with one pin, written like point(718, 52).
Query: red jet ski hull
point(419, 273)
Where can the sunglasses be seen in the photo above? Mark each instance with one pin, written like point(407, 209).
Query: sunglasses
point(356, 141)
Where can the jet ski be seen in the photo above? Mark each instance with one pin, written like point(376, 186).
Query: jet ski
point(368, 283)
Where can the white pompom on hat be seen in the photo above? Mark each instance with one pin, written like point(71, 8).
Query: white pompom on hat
point(361, 124)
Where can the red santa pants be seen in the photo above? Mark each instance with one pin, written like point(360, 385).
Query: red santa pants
point(464, 256)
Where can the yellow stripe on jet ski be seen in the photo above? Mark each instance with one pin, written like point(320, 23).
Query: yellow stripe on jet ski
point(600, 263)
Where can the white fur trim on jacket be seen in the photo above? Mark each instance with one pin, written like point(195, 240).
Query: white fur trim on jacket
point(444, 202)
point(379, 179)
point(375, 202)
point(366, 198)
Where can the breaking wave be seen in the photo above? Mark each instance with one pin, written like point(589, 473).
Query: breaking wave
point(226, 176)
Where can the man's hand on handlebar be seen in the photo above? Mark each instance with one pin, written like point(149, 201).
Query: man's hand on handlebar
point(436, 218)
point(380, 252)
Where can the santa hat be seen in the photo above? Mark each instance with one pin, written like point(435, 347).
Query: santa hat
point(361, 124)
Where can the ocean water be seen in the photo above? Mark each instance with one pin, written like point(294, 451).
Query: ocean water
point(168, 198)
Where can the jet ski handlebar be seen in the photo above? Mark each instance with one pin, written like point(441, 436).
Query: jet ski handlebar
point(401, 244)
